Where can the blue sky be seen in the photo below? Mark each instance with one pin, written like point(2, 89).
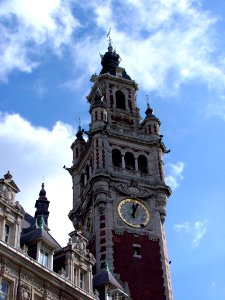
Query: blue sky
point(175, 50)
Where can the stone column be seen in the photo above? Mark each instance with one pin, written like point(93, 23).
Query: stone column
point(123, 162)
point(136, 164)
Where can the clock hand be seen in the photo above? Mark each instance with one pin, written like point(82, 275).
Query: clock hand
point(134, 209)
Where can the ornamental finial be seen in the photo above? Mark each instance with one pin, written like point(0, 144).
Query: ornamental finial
point(147, 100)
point(149, 110)
point(79, 124)
point(110, 48)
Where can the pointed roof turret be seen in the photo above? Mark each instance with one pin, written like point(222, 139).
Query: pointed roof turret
point(42, 191)
point(42, 205)
point(79, 134)
point(149, 111)
point(8, 175)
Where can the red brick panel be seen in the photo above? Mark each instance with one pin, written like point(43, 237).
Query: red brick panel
point(143, 274)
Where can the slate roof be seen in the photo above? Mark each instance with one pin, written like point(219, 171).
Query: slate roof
point(38, 234)
point(105, 277)
point(31, 232)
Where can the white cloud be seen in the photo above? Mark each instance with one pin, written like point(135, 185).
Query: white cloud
point(27, 26)
point(33, 152)
point(168, 43)
point(175, 174)
point(196, 230)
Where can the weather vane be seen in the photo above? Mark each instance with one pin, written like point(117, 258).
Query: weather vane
point(79, 121)
point(147, 100)
point(109, 37)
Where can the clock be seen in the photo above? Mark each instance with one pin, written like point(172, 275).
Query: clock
point(134, 213)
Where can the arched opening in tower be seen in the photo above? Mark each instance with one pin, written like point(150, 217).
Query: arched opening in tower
point(120, 100)
point(129, 161)
point(142, 164)
point(116, 158)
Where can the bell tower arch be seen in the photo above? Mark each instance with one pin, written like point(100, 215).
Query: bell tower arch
point(119, 189)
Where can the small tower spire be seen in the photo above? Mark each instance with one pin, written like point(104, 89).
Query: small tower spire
point(80, 132)
point(149, 110)
point(42, 205)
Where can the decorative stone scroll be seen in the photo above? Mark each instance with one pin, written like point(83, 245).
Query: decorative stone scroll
point(133, 190)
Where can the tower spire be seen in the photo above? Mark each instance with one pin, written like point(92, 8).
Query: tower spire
point(42, 205)
point(149, 110)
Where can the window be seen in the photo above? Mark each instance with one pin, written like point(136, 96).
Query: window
point(129, 161)
point(137, 250)
point(43, 258)
point(75, 276)
point(116, 158)
point(6, 233)
point(4, 290)
point(81, 280)
point(120, 100)
point(142, 164)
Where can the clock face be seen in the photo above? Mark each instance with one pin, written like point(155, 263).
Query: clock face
point(133, 213)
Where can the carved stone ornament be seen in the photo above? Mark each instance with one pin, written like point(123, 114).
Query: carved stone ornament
point(101, 207)
point(46, 292)
point(133, 190)
point(25, 291)
point(26, 278)
point(4, 269)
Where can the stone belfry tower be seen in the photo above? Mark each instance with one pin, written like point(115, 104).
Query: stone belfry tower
point(119, 192)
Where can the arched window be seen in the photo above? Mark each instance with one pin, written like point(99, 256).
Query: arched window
point(142, 164)
point(116, 158)
point(120, 100)
point(129, 161)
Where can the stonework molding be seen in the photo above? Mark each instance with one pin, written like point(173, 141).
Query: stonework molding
point(133, 189)
point(26, 278)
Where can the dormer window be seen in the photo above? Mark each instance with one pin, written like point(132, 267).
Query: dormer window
point(6, 233)
point(120, 100)
point(44, 258)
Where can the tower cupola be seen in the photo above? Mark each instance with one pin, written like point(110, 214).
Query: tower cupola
point(110, 63)
point(78, 145)
point(151, 123)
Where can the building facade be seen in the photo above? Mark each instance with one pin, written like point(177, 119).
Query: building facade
point(33, 266)
point(119, 189)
